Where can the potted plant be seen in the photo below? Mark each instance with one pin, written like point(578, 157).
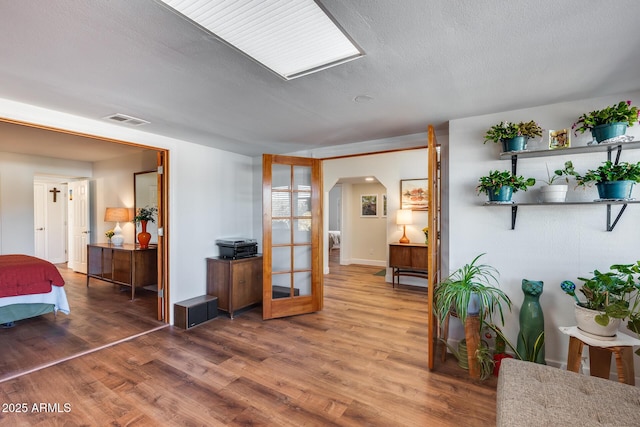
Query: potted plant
point(513, 136)
point(609, 298)
point(557, 193)
point(143, 216)
point(609, 122)
point(471, 293)
point(613, 180)
point(500, 185)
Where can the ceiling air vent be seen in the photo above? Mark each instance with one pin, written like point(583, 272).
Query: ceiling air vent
point(127, 120)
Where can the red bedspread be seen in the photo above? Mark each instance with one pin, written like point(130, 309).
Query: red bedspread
point(26, 275)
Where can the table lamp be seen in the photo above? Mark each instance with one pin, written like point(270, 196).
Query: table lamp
point(403, 218)
point(116, 215)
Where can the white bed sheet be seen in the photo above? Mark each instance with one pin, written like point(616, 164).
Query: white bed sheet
point(57, 297)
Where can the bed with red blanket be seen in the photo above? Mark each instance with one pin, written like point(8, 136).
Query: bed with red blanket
point(29, 286)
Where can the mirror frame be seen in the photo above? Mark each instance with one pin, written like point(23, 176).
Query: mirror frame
point(149, 199)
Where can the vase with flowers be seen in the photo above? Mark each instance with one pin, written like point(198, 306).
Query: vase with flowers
point(608, 123)
point(143, 216)
point(426, 235)
point(109, 234)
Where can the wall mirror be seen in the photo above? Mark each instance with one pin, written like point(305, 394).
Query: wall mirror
point(145, 193)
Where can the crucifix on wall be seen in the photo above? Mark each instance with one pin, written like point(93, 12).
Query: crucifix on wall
point(55, 192)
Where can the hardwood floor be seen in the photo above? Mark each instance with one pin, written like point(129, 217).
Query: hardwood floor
point(359, 362)
point(100, 314)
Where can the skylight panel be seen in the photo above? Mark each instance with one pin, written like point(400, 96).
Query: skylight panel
point(292, 38)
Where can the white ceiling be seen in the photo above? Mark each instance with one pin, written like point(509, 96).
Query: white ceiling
point(426, 62)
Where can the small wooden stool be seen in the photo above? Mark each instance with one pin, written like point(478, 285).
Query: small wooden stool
point(600, 355)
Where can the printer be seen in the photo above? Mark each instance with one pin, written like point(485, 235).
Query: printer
point(237, 247)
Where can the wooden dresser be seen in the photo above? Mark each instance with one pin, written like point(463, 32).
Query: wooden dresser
point(408, 259)
point(236, 282)
point(124, 265)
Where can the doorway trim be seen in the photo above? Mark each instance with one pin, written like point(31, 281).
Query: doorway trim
point(163, 254)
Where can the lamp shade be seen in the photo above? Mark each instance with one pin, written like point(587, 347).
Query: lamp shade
point(116, 215)
point(404, 217)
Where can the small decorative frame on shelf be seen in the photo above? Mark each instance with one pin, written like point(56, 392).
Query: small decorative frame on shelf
point(559, 139)
point(414, 194)
point(369, 205)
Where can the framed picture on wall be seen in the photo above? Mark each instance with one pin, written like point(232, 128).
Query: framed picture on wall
point(384, 205)
point(414, 194)
point(369, 205)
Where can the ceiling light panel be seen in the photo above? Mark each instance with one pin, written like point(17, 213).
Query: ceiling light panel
point(292, 38)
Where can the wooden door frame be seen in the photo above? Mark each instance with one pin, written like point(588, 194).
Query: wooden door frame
point(163, 254)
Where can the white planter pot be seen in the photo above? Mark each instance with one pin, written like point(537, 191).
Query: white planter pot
point(585, 319)
point(554, 193)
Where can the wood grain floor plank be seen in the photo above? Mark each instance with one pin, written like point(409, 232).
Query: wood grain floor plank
point(359, 362)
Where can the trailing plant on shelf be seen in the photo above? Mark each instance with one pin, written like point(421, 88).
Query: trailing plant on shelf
point(622, 112)
point(507, 130)
point(497, 179)
point(608, 172)
point(147, 213)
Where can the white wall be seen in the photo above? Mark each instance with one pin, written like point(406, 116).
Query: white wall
point(335, 207)
point(17, 172)
point(549, 243)
point(389, 169)
point(112, 183)
point(368, 234)
point(210, 194)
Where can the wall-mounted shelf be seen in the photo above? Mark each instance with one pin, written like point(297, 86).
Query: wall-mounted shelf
point(595, 148)
point(609, 203)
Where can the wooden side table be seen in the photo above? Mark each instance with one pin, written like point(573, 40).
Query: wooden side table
point(600, 352)
point(408, 259)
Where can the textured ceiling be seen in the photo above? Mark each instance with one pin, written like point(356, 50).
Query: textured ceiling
point(426, 62)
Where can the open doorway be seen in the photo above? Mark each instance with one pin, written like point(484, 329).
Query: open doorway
point(42, 174)
point(357, 221)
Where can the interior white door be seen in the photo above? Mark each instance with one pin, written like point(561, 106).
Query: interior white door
point(79, 225)
point(56, 223)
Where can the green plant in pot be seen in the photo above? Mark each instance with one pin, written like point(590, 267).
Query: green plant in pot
point(500, 185)
point(609, 298)
point(513, 136)
point(471, 293)
point(609, 122)
point(556, 193)
point(613, 181)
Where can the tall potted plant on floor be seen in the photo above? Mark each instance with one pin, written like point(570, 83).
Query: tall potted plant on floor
point(471, 292)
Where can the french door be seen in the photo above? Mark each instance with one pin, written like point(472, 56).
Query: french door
point(292, 236)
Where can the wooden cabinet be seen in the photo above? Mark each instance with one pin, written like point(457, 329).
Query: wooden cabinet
point(124, 265)
point(236, 282)
point(408, 259)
